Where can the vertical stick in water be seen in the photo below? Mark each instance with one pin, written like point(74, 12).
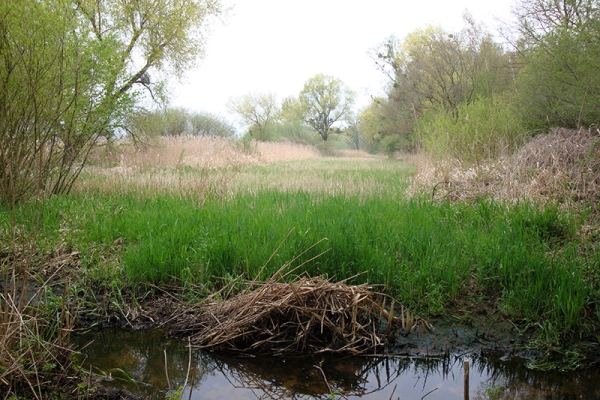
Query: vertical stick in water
point(466, 380)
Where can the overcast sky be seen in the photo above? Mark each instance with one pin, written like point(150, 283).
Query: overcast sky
point(276, 45)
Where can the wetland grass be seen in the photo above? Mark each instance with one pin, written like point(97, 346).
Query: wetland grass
point(525, 260)
point(425, 253)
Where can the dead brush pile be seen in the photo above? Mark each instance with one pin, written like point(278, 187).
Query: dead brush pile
point(563, 166)
point(309, 315)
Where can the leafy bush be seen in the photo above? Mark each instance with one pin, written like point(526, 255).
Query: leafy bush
point(390, 145)
point(479, 131)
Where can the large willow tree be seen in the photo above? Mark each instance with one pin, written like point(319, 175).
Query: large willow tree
point(70, 70)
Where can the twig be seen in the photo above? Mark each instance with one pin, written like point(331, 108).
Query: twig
point(167, 372)
point(193, 378)
point(393, 391)
point(324, 378)
point(273, 254)
point(189, 362)
point(428, 393)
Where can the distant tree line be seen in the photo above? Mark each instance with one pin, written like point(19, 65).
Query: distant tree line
point(74, 72)
point(323, 109)
point(177, 122)
point(463, 94)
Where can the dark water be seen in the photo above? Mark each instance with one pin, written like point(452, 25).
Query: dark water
point(136, 361)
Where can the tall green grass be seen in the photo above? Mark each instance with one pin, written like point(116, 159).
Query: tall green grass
point(427, 254)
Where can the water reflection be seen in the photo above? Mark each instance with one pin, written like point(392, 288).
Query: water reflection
point(136, 361)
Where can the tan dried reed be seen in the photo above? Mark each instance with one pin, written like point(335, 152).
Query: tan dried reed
point(193, 167)
point(34, 349)
point(563, 165)
point(310, 315)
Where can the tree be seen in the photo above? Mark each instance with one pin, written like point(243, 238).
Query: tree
point(559, 84)
point(325, 100)
point(442, 69)
point(538, 19)
point(176, 122)
point(291, 110)
point(206, 124)
point(436, 71)
point(71, 70)
point(256, 109)
point(353, 134)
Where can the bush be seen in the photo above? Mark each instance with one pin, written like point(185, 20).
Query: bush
point(479, 131)
point(392, 144)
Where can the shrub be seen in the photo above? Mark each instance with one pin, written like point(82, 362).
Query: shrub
point(479, 131)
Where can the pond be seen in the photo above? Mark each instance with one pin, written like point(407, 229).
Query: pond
point(149, 364)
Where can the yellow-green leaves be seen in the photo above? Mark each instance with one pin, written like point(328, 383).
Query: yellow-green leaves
point(325, 100)
point(257, 110)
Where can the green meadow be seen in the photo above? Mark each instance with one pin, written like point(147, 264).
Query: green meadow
point(344, 218)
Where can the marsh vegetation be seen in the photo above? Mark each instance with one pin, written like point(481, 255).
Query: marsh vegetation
point(133, 233)
point(484, 207)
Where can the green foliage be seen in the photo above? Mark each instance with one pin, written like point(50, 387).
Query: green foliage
point(559, 85)
point(53, 101)
point(433, 72)
point(295, 131)
point(257, 109)
point(177, 122)
point(494, 392)
point(427, 254)
point(289, 124)
point(383, 118)
point(479, 131)
point(70, 73)
point(560, 88)
point(261, 134)
point(325, 100)
point(391, 145)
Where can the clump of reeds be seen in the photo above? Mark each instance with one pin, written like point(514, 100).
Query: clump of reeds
point(309, 315)
point(285, 151)
point(562, 165)
point(189, 166)
point(35, 326)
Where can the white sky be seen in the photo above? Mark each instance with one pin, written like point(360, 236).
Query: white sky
point(276, 45)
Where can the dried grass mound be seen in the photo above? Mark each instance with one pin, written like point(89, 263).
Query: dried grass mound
point(564, 163)
point(306, 315)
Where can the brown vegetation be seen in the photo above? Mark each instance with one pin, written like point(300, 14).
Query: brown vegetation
point(202, 152)
point(190, 166)
point(563, 165)
point(306, 315)
point(34, 335)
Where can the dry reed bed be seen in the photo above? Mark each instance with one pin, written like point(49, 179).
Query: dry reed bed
point(200, 152)
point(189, 166)
point(339, 176)
point(311, 315)
point(563, 165)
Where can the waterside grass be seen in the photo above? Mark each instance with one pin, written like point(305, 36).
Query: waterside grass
point(427, 254)
point(343, 218)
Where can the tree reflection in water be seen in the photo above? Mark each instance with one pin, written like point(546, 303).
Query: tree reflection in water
point(136, 361)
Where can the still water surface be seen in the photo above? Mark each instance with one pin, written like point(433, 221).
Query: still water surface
point(136, 361)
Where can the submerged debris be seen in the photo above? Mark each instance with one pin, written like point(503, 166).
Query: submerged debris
point(307, 315)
